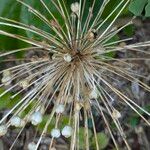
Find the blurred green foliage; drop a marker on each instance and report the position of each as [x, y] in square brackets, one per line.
[21, 13]
[6, 101]
[140, 7]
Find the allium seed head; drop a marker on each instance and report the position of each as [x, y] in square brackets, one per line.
[73, 73]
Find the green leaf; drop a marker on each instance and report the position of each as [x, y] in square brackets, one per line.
[102, 140]
[147, 9]
[63, 122]
[4, 100]
[134, 122]
[43, 123]
[82, 137]
[12, 12]
[137, 6]
[129, 30]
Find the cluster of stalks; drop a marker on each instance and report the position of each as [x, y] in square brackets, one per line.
[73, 74]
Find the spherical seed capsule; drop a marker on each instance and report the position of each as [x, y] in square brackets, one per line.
[6, 80]
[60, 108]
[6, 73]
[3, 130]
[24, 83]
[23, 123]
[116, 114]
[78, 106]
[55, 133]
[32, 146]
[93, 94]
[36, 118]
[15, 121]
[67, 57]
[75, 7]
[67, 131]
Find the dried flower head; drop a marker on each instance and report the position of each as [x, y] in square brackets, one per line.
[72, 73]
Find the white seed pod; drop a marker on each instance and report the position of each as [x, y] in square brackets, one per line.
[60, 108]
[15, 121]
[91, 35]
[75, 7]
[6, 80]
[78, 106]
[70, 99]
[116, 114]
[36, 118]
[6, 73]
[32, 146]
[93, 94]
[67, 57]
[55, 133]
[24, 83]
[67, 131]
[3, 130]
[135, 89]
[54, 56]
[23, 123]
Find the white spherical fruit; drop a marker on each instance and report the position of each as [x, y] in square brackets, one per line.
[36, 118]
[67, 131]
[93, 94]
[116, 114]
[24, 84]
[75, 7]
[6, 80]
[55, 133]
[3, 130]
[32, 146]
[23, 123]
[60, 108]
[6, 73]
[67, 57]
[15, 121]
